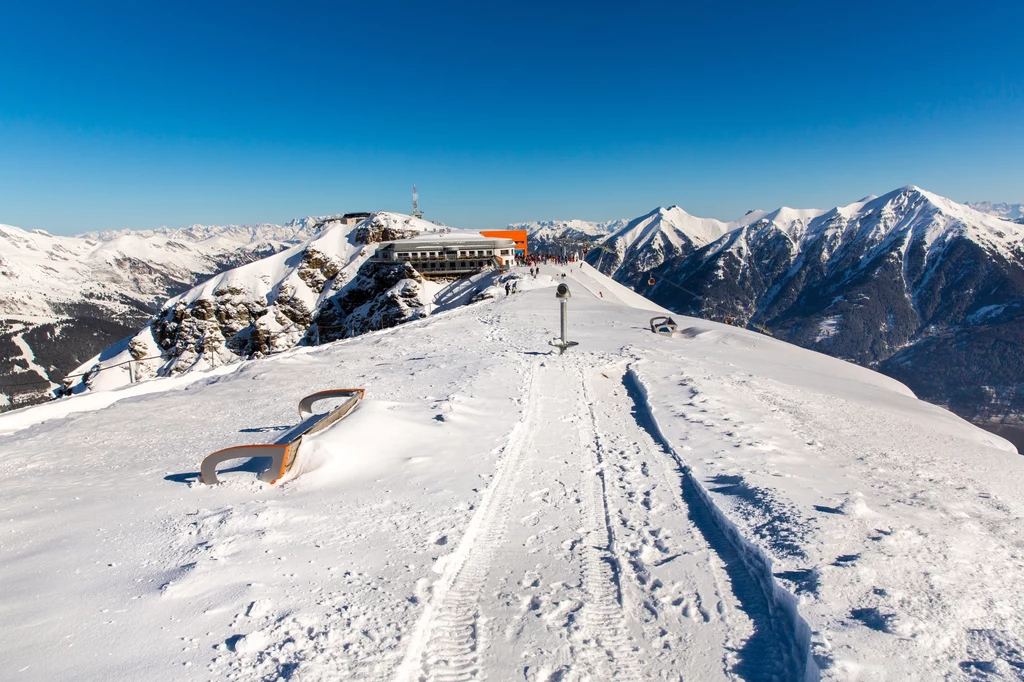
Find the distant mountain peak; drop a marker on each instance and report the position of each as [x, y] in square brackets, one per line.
[1012, 212]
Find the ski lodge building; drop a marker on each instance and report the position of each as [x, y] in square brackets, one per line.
[450, 255]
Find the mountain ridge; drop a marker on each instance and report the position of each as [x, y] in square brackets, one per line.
[880, 282]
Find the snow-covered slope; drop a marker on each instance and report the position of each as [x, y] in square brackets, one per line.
[714, 506]
[41, 272]
[271, 305]
[62, 299]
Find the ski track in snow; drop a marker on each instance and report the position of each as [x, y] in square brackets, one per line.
[649, 586]
[448, 636]
[456, 629]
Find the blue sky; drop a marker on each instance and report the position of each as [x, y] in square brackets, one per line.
[146, 114]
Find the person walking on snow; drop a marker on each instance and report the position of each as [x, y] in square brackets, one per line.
[508, 288]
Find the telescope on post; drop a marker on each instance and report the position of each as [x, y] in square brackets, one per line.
[562, 293]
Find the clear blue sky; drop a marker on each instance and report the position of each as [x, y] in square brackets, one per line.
[147, 114]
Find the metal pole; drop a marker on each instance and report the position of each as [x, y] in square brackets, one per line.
[565, 311]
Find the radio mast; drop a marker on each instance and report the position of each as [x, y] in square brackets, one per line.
[416, 212]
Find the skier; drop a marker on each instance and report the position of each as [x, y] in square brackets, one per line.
[508, 288]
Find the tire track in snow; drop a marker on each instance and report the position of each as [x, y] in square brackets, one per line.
[610, 652]
[674, 582]
[453, 633]
[779, 647]
[447, 641]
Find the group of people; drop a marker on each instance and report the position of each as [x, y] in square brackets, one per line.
[510, 287]
[534, 259]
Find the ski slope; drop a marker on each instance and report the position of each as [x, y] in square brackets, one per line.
[713, 506]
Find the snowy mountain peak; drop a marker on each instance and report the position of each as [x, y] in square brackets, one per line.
[650, 240]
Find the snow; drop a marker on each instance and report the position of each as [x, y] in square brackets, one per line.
[553, 229]
[675, 224]
[28, 356]
[1013, 212]
[294, 230]
[274, 281]
[40, 272]
[828, 327]
[986, 312]
[717, 505]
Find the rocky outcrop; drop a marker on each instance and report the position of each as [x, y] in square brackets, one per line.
[382, 295]
[236, 322]
[318, 270]
[271, 305]
[380, 229]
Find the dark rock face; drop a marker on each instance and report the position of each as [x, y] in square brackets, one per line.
[255, 311]
[977, 370]
[235, 323]
[58, 348]
[904, 286]
[382, 295]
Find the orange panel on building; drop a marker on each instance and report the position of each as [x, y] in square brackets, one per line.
[518, 236]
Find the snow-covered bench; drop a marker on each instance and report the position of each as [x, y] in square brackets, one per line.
[283, 453]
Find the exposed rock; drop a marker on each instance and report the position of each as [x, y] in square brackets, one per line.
[317, 269]
[379, 229]
[381, 295]
[137, 349]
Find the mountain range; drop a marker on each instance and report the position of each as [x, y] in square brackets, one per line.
[912, 284]
[565, 237]
[63, 299]
[1012, 212]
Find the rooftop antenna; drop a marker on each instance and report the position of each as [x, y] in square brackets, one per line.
[416, 212]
